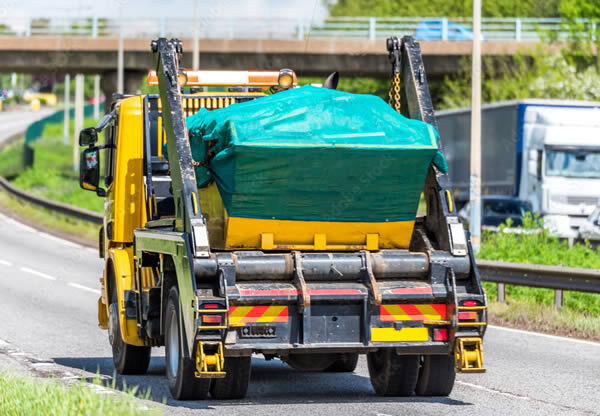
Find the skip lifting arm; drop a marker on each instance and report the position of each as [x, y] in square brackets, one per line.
[409, 95]
[187, 203]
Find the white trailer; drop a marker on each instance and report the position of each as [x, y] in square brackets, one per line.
[546, 152]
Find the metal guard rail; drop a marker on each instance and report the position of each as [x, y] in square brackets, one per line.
[358, 27]
[65, 209]
[534, 275]
[538, 275]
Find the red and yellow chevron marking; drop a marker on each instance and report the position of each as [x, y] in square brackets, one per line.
[412, 312]
[245, 314]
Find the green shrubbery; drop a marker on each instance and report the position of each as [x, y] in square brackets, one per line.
[536, 247]
[541, 248]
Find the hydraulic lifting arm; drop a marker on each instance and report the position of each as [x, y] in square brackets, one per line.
[409, 95]
[188, 215]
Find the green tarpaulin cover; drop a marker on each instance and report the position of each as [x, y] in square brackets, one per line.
[314, 154]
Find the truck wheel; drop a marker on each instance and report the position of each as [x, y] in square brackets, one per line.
[128, 359]
[346, 363]
[392, 374]
[235, 383]
[436, 377]
[183, 384]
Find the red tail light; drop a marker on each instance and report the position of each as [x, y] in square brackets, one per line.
[470, 303]
[211, 306]
[440, 334]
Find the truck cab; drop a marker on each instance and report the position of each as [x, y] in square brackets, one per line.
[561, 150]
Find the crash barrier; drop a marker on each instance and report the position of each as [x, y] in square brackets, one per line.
[558, 278]
[53, 206]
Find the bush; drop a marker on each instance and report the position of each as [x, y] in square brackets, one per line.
[541, 248]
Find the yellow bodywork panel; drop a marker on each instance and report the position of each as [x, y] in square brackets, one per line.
[122, 259]
[316, 235]
[251, 233]
[399, 335]
[128, 186]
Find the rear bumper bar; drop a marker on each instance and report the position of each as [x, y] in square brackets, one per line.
[404, 348]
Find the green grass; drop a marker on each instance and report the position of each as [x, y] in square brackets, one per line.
[52, 175]
[31, 397]
[536, 248]
[11, 159]
[541, 317]
[533, 306]
[82, 229]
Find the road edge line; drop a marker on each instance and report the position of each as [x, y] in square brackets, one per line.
[550, 336]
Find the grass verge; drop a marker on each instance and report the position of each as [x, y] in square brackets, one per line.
[532, 308]
[27, 396]
[81, 230]
[52, 175]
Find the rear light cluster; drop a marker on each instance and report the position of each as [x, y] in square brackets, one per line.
[468, 315]
[212, 319]
[210, 315]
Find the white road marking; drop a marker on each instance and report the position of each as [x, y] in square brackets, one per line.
[539, 334]
[36, 273]
[5, 263]
[81, 287]
[502, 393]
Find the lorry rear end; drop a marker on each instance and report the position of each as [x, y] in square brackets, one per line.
[216, 289]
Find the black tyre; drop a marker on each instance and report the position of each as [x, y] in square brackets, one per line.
[436, 376]
[128, 359]
[183, 384]
[346, 363]
[235, 383]
[392, 374]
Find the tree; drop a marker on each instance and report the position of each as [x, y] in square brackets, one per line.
[449, 8]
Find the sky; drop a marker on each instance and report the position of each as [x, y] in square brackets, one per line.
[218, 18]
[168, 8]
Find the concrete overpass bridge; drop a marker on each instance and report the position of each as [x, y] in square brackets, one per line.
[309, 57]
[351, 45]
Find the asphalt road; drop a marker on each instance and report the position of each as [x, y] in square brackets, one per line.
[14, 122]
[48, 307]
[48, 294]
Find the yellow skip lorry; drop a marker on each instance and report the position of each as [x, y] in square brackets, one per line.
[215, 289]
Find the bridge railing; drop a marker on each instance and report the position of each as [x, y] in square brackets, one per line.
[425, 28]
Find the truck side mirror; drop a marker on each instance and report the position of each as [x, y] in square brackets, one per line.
[88, 136]
[89, 170]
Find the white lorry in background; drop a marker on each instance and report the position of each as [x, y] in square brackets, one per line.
[545, 152]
